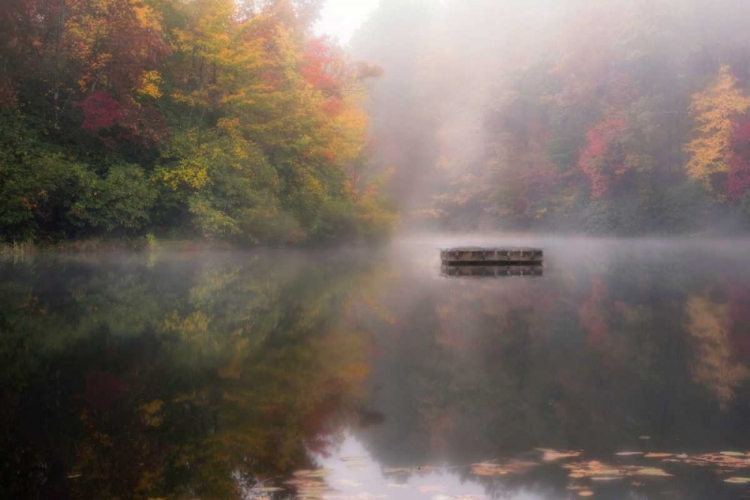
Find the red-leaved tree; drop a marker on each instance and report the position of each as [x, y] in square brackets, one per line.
[598, 143]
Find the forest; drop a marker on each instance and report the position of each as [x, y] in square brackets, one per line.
[235, 122]
[615, 117]
[190, 119]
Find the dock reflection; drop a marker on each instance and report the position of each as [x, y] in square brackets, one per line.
[493, 271]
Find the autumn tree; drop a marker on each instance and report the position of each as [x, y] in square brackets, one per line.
[209, 118]
[597, 154]
[714, 109]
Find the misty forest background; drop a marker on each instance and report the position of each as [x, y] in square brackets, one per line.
[231, 121]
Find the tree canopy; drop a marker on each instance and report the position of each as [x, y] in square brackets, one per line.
[615, 117]
[206, 118]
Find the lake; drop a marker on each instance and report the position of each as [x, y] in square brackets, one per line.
[620, 371]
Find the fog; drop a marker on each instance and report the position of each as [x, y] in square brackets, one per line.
[368, 363]
[202, 298]
[619, 117]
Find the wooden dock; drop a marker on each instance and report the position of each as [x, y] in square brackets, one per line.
[467, 256]
[502, 271]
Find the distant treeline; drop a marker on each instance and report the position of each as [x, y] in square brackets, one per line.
[181, 118]
[617, 116]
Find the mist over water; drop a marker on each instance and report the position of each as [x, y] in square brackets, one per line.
[360, 371]
[310, 356]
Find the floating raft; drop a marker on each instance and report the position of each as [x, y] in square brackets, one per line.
[463, 256]
[501, 271]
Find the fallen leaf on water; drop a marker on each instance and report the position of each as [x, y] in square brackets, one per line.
[552, 455]
[585, 493]
[650, 471]
[658, 455]
[349, 483]
[430, 488]
[628, 453]
[598, 471]
[306, 483]
[493, 469]
[396, 470]
[313, 473]
[330, 496]
[310, 483]
[591, 469]
[724, 460]
[487, 469]
[738, 480]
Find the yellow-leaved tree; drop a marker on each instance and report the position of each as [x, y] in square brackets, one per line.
[714, 109]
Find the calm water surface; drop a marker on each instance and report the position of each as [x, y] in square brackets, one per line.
[622, 372]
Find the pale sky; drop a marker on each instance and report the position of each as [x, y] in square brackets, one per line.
[341, 18]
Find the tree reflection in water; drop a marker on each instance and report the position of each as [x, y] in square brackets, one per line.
[221, 375]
